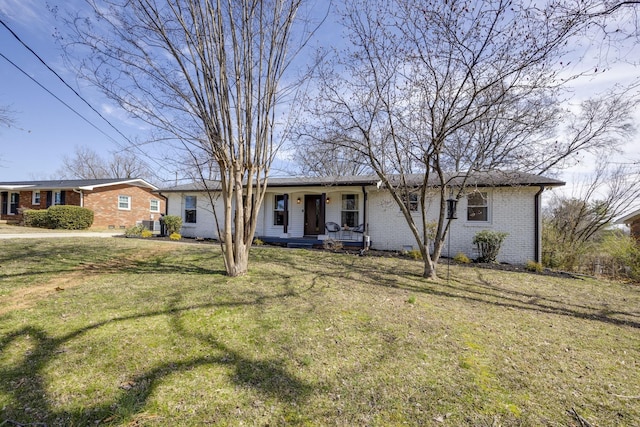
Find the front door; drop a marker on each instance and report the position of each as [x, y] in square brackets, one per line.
[313, 215]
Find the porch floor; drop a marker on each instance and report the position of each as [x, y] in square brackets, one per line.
[307, 242]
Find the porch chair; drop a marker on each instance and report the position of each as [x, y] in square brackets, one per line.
[332, 227]
[358, 229]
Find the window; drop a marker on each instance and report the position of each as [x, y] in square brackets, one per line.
[14, 203]
[412, 203]
[58, 198]
[124, 203]
[190, 205]
[279, 209]
[350, 213]
[154, 205]
[477, 207]
[35, 198]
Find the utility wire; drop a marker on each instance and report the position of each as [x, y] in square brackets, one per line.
[74, 91]
[56, 97]
[65, 83]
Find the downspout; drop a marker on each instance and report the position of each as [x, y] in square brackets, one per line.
[364, 216]
[81, 197]
[537, 225]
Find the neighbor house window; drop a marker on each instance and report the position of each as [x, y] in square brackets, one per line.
[190, 205]
[155, 205]
[35, 198]
[58, 198]
[350, 213]
[278, 209]
[477, 207]
[14, 203]
[124, 203]
[411, 203]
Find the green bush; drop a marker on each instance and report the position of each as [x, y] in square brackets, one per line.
[36, 218]
[135, 230]
[489, 243]
[533, 266]
[414, 254]
[69, 217]
[173, 223]
[461, 258]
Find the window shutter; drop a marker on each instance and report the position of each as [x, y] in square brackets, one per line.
[62, 193]
[49, 198]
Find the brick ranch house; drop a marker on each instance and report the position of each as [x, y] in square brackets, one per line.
[116, 203]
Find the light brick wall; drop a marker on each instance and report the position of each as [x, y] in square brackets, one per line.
[511, 210]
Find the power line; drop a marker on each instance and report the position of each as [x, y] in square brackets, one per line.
[56, 97]
[74, 91]
[65, 83]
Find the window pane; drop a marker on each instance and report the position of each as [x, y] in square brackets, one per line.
[124, 202]
[477, 207]
[190, 202]
[278, 210]
[155, 206]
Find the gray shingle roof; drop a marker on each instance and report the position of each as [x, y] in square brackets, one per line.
[68, 184]
[475, 179]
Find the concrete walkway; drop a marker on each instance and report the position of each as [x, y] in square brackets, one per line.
[58, 235]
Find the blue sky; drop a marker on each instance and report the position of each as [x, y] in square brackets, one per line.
[45, 130]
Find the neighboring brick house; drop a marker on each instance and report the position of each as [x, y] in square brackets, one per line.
[116, 203]
[633, 222]
[300, 208]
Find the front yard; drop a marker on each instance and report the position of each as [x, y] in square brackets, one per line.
[142, 332]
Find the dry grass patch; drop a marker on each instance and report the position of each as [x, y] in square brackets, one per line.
[162, 337]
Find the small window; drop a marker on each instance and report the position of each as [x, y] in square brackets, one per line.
[35, 198]
[477, 207]
[278, 209]
[14, 203]
[124, 203]
[412, 203]
[154, 205]
[350, 212]
[190, 208]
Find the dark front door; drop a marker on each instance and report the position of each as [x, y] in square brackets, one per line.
[313, 215]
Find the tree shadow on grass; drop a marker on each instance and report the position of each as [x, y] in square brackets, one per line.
[482, 291]
[25, 382]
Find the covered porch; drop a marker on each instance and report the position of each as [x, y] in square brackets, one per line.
[311, 242]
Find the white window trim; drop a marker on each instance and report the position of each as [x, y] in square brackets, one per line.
[489, 210]
[157, 210]
[128, 208]
[33, 198]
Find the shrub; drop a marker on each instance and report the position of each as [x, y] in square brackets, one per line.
[332, 244]
[461, 258]
[533, 266]
[489, 243]
[135, 231]
[173, 223]
[414, 254]
[36, 218]
[175, 236]
[146, 233]
[69, 217]
[258, 242]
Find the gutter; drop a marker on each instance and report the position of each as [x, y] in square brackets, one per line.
[537, 225]
[81, 196]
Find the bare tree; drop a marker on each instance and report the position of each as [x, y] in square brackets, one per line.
[6, 116]
[85, 163]
[325, 158]
[206, 74]
[573, 222]
[452, 86]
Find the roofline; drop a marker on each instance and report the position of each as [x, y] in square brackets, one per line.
[627, 218]
[142, 183]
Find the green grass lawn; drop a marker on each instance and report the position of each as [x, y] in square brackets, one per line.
[144, 333]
